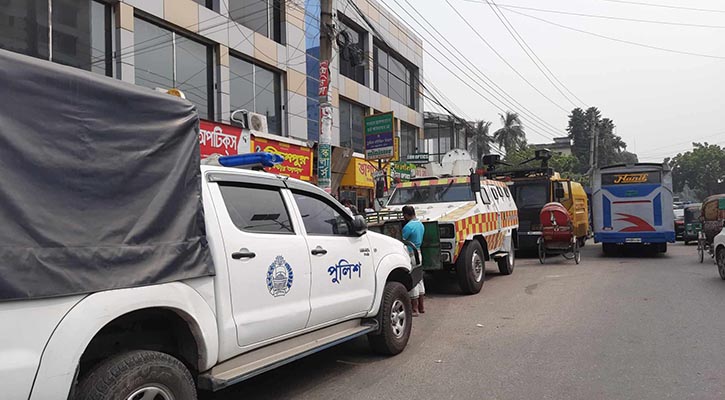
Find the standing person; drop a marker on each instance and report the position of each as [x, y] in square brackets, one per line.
[413, 232]
[348, 204]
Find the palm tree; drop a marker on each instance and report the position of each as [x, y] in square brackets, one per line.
[480, 141]
[511, 135]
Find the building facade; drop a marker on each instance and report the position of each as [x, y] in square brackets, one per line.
[561, 146]
[225, 55]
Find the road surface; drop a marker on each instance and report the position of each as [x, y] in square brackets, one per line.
[629, 327]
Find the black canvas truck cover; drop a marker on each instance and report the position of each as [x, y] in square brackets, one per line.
[100, 186]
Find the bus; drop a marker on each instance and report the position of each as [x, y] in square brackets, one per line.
[632, 206]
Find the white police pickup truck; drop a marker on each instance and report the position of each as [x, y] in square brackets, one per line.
[295, 274]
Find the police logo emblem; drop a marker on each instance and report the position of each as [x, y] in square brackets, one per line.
[279, 277]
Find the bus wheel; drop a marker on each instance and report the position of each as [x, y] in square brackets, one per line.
[609, 248]
[662, 247]
[471, 268]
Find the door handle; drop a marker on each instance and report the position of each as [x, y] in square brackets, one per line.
[318, 251]
[243, 253]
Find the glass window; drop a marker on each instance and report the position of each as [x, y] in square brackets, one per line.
[393, 78]
[81, 32]
[531, 195]
[187, 68]
[443, 193]
[256, 210]
[352, 52]
[352, 117]
[408, 139]
[261, 16]
[256, 89]
[205, 3]
[320, 218]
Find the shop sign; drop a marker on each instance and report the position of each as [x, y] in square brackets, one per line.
[379, 131]
[222, 139]
[324, 78]
[360, 173]
[297, 159]
[403, 171]
[417, 158]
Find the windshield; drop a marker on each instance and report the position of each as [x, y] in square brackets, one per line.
[432, 194]
[531, 195]
[692, 214]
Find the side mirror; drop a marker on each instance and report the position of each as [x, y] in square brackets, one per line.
[475, 182]
[359, 225]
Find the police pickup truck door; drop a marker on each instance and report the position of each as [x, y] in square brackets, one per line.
[343, 274]
[266, 255]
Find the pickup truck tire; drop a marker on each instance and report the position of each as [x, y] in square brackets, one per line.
[506, 263]
[138, 374]
[471, 268]
[395, 318]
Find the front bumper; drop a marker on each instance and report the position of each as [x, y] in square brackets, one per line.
[634, 237]
[528, 240]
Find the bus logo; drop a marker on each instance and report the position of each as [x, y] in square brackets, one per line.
[631, 178]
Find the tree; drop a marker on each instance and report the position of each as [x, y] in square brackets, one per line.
[702, 169]
[511, 136]
[480, 141]
[611, 149]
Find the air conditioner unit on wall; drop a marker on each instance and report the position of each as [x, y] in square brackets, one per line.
[257, 122]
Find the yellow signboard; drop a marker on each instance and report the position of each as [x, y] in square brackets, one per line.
[359, 173]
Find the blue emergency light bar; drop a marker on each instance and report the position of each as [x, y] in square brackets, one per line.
[250, 160]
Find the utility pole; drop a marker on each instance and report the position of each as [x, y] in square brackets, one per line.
[593, 146]
[324, 155]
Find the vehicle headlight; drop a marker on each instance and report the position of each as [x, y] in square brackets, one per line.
[447, 231]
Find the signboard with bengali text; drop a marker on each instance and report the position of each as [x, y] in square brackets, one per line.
[222, 139]
[297, 159]
[379, 133]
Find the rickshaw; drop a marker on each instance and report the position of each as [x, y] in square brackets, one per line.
[693, 225]
[557, 234]
[712, 215]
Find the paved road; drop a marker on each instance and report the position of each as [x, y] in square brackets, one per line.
[631, 327]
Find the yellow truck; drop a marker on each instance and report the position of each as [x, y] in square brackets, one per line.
[532, 187]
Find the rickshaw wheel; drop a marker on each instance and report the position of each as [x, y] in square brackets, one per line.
[577, 253]
[701, 251]
[542, 250]
[720, 258]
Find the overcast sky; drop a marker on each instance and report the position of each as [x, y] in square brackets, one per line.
[659, 101]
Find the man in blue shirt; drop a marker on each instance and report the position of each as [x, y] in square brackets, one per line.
[413, 231]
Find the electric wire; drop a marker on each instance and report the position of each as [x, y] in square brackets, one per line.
[616, 39]
[471, 66]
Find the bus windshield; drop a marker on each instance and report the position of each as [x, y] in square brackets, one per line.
[531, 195]
[432, 194]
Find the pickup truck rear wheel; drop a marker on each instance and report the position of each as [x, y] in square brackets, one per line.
[395, 318]
[471, 268]
[136, 375]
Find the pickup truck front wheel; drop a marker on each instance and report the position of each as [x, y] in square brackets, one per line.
[136, 375]
[395, 319]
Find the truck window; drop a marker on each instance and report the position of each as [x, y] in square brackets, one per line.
[531, 195]
[256, 210]
[443, 193]
[320, 218]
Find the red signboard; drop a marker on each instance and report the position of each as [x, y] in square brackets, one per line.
[324, 77]
[222, 139]
[297, 159]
